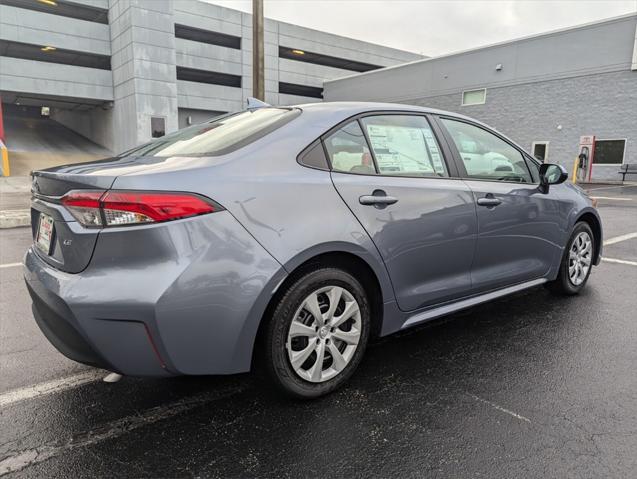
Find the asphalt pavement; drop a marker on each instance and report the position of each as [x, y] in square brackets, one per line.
[531, 385]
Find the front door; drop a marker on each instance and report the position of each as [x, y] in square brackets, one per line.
[391, 172]
[519, 232]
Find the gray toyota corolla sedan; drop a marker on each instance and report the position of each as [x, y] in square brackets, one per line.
[284, 238]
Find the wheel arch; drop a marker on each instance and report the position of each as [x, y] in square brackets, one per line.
[346, 260]
[593, 221]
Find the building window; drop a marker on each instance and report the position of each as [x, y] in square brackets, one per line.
[325, 60]
[207, 36]
[300, 90]
[157, 126]
[50, 54]
[62, 8]
[474, 97]
[609, 152]
[540, 150]
[204, 76]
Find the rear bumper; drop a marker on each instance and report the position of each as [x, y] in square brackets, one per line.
[57, 323]
[184, 297]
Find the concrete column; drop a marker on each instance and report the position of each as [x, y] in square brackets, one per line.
[143, 64]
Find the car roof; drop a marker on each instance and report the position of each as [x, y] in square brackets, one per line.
[336, 111]
[345, 109]
[356, 107]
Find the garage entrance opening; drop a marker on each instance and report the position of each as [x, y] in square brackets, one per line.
[43, 132]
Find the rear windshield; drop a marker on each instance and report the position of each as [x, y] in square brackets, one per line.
[220, 135]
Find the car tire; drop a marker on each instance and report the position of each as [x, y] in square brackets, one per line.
[570, 281]
[293, 330]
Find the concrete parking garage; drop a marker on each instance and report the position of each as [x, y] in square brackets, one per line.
[528, 386]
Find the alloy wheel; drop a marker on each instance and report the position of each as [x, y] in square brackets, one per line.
[580, 258]
[324, 334]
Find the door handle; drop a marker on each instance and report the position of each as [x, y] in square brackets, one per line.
[489, 201]
[378, 198]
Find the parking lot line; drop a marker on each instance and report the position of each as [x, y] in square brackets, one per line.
[619, 261]
[611, 198]
[609, 187]
[617, 239]
[10, 265]
[113, 429]
[49, 387]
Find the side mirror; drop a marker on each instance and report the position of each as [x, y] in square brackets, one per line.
[551, 174]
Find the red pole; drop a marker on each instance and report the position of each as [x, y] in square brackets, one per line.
[590, 160]
[1, 124]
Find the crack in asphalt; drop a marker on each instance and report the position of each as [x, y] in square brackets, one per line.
[499, 408]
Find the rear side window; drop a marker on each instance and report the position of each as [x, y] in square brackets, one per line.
[314, 157]
[404, 145]
[348, 150]
[485, 156]
[219, 136]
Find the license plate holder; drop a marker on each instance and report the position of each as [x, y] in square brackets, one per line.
[45, 233]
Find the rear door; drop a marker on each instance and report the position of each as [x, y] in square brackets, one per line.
[391, 171]
[519, 229]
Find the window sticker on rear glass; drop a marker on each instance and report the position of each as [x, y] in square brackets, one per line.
[434, 152]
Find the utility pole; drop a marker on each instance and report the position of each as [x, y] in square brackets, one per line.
[258, 64]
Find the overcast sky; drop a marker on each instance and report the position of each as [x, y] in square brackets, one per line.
[437, 27]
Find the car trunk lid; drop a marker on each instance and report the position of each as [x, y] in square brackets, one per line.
[69, 246]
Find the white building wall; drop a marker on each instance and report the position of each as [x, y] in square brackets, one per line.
[26, 26]
[553, 87]
[209, 97]
[213, 17]
[145, 53]
[27, 76]
[143, 63]
[208, 57]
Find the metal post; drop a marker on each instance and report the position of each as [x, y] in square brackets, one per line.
[1, 123]
[258, 65]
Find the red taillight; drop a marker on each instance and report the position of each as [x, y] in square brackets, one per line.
[84, 206]
[120, 208]
[132, 207]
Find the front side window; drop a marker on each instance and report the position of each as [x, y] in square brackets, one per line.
[534, 167]
[404, 145]
[348, 150]
[219, 136]
[486, 156]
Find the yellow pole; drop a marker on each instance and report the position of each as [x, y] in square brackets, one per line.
[5, 159]
[574, 178]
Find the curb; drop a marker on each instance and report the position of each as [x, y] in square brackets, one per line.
[14, 218]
